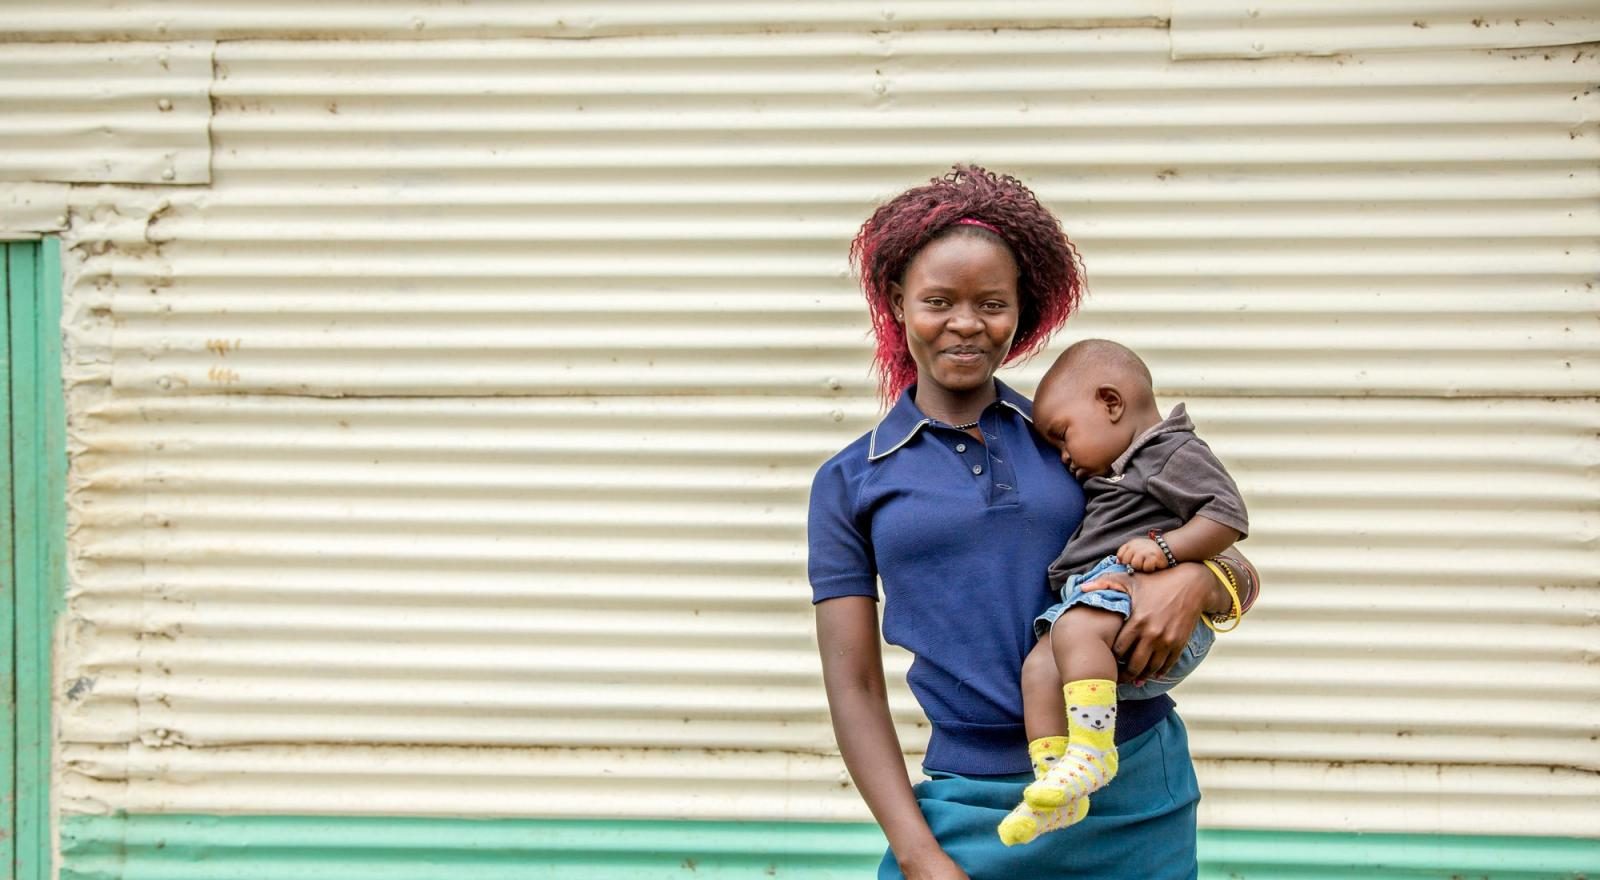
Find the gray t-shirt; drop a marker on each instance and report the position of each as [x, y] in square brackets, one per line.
[1165, 478]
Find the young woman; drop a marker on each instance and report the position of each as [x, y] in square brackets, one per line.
[958, 506]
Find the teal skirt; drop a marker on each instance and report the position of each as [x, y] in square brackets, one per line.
[1140, 827]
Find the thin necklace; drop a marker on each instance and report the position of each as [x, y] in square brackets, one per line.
[967, 426]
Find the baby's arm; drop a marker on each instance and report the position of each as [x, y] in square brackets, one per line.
[1199, 538]
[1193, 484]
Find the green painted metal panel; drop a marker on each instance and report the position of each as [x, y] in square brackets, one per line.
[37, 435]
[187, 847]
[1285, 855]
[8, 582]
[284, 847]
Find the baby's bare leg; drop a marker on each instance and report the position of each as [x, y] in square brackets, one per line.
[1044, 709]
[1044, 714]
[1081, 643]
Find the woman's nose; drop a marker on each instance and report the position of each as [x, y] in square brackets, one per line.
[965, 320]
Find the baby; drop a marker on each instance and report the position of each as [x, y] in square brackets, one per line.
[1155, 496]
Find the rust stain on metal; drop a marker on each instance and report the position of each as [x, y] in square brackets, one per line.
[80, 687]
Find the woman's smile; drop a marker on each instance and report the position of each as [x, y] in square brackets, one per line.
[965, 354]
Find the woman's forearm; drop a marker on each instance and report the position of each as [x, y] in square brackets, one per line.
[852, 672]
[1248, 582]
[1215, 598]
[1166, 607]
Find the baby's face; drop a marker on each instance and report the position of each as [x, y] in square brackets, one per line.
[1076, 422]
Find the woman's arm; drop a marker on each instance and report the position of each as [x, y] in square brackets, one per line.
[858, 701]
[1166, 607]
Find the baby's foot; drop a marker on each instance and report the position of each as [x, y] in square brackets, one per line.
[1080, 773]
[1024, 823]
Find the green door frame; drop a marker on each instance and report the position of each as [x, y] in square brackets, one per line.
[32, 544]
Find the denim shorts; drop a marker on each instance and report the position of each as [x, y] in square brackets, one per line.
[1199, 644]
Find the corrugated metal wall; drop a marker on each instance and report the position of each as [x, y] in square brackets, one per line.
[447, 452]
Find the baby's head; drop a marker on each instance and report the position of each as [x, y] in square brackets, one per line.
[1092, 403]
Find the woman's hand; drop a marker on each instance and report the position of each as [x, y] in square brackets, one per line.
[937, 866]
[852, 673]
[1166, 606]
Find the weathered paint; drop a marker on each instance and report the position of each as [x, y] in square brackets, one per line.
[1255, 29]
[355, 848]
[37, 537]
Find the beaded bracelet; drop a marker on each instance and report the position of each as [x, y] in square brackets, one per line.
[1225, 577]
[1244, 578]
[1155, 535]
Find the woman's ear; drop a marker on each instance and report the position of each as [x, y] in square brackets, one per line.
[1110, 398]
[897, 301]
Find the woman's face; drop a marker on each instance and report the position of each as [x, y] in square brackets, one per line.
[960, 308]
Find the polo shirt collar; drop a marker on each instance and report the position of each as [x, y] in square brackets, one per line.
[904, 420]
[1178, 420]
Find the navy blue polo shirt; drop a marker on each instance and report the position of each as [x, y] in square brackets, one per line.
[961, 534]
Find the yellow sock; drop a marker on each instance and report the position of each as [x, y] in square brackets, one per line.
[1091, 758]
[1024, 823]
[1044, 752]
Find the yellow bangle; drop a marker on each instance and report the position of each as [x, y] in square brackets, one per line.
[1224, 577]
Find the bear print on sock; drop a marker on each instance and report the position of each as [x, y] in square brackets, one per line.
[1094, 717]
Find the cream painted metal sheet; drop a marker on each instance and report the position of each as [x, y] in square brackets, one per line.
[27, 209]
[439, 577]
[300, 19]
[105, 112]
[387, 204]
[736, 785]
[479, 360]
[1255, 29]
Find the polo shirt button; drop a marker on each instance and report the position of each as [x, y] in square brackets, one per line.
[977, 469]
[961, 447]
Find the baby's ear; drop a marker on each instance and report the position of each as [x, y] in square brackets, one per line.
[1110, 398]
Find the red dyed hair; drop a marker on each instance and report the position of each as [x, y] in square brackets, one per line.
[1050, 273]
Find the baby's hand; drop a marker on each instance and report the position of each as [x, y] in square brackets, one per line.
[1142, 554]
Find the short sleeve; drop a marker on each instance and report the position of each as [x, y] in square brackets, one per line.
[1194, 483]
[839, 558]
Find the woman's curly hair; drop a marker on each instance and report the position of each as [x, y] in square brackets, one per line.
[1050, 280]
